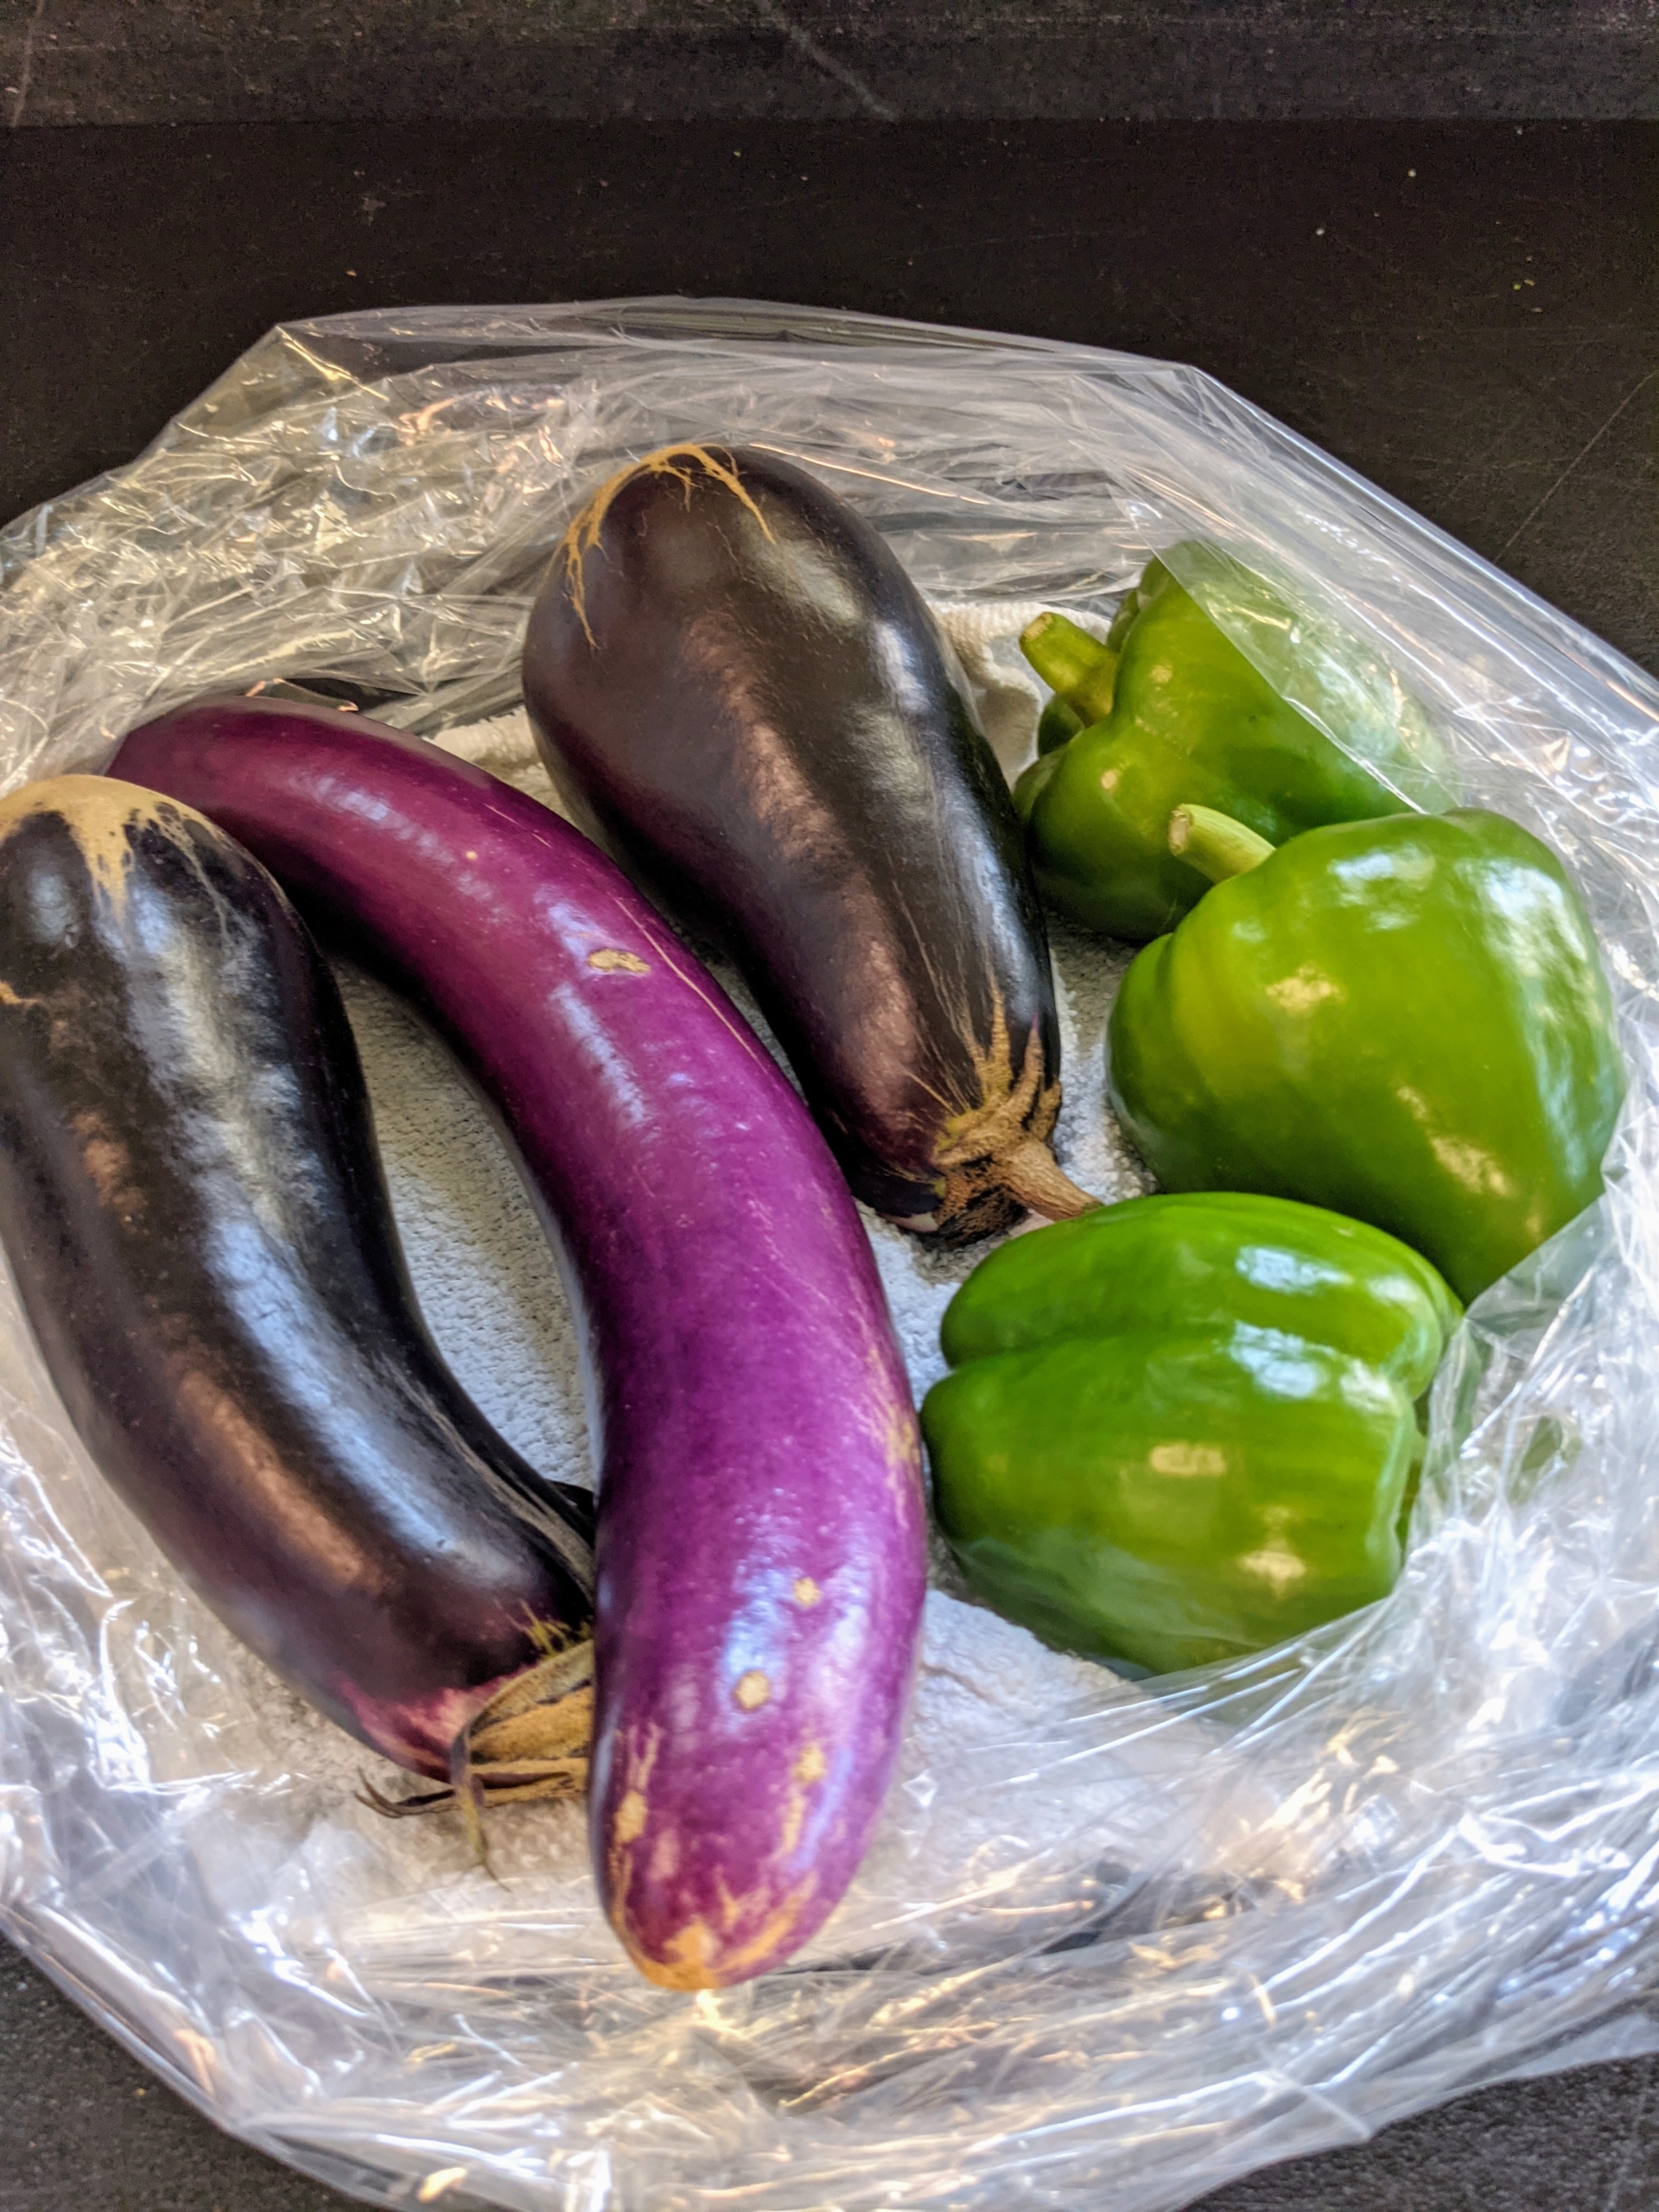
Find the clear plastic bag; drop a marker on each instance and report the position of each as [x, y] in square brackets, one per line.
[1108, 1943]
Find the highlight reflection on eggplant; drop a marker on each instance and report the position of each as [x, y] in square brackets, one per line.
[194, 1208]
[732, 676]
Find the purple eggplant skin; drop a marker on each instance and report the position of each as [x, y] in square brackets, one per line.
[193, 1204]
[761, 1548]
[743, 696]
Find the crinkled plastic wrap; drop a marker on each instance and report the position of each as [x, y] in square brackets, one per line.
[1112, 1945]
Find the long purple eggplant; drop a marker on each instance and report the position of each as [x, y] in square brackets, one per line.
[734, 680]
[762, 1549]
[193, 1206]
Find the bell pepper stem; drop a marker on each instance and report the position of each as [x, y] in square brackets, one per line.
[1074, 666]
[1214, 843]
[1058, 726]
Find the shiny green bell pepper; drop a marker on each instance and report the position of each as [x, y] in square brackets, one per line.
[1206, 1259]
[1183, 1427]
[1406, 1020]
[1176, 713]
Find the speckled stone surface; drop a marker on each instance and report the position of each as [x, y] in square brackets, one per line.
[1469, 312]
[216, 61]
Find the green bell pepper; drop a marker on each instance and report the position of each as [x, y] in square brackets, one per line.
[1406, 1020]
[1205, 1260]
[1056, 725]
[1175, 713]
[1184, 1429]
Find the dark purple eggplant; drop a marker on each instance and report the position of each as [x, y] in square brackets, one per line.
[193, 1204]
[736, 686]
[762, 1549]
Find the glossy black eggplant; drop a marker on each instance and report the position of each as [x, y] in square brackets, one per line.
[741, 693]
[194, 1208]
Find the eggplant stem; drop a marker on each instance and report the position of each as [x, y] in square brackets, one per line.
[583, 534]
[468, 1796]
[1031, 1173]
[530, 1741]
[1002, 1143]
[549, 1778]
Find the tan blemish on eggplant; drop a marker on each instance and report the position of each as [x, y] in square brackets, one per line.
[812, 1766]
[610, 961]
[98, 812]
[678, 461]
[108, 1166]
[693, 1959]
[630, 1822]
[687, 1965]
[8, 997]
[626, 1826]
[807, 1592]
[809, 1768]
[902, 1445]
[794, 1819]
[752, 1690]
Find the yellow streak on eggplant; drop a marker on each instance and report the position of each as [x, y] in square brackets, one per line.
[794, 1821]
[610, 960]
[630, 1822]
[98, 811]
[109, 1165]
[901, 1447]
[693, 1959]
[583, 534]
[807, 1592]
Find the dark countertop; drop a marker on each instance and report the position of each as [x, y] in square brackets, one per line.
[1466, 312]
[105, 61]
